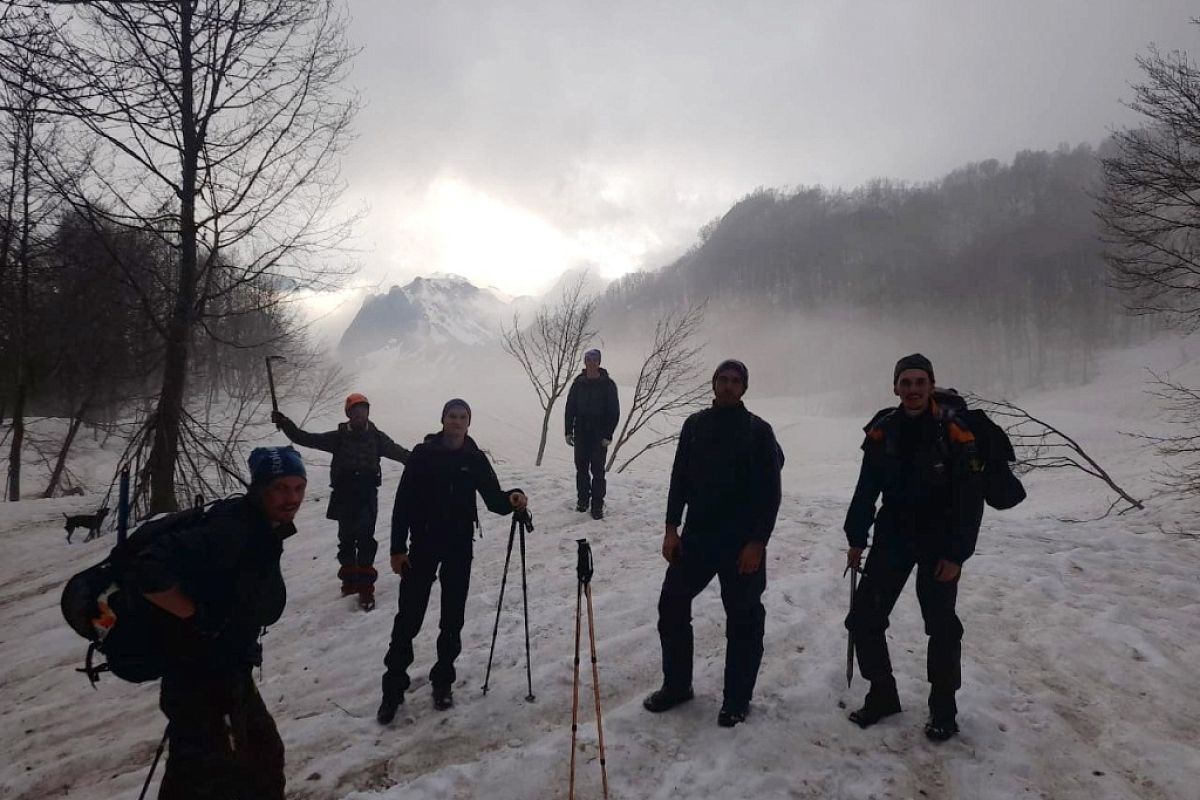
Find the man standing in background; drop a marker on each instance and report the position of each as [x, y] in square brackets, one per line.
[593, 411]
[354, 474]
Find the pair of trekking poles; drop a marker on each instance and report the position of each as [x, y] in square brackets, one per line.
[584, 569]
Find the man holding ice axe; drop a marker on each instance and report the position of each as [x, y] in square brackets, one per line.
[355, 475]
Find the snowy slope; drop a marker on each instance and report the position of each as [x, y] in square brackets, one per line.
[1080, 651]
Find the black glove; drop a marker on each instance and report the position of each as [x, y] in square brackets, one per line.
[203, 626]
[279, 419]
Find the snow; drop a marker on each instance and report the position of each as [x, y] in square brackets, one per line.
[1080, 651]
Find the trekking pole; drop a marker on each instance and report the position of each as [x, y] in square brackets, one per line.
[154, 764]
[575, 682]
[584, 569]
[587, 592]
[525, 522]
[850, 634]
[271, 380]
[123, 507]
[512, 533]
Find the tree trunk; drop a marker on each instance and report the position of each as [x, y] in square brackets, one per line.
[14, 453]
[61, 463]
[24, 362]
[545, 432]
[168, 417]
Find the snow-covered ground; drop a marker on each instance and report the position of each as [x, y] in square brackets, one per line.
[1081, 652]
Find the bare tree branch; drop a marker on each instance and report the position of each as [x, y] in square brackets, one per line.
[670, 381]
[550, 349]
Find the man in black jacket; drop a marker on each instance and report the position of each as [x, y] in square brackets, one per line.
[354, 474]
[727, 474]
[593, 411]
[926, 467]
[435, 502]
[219, 581]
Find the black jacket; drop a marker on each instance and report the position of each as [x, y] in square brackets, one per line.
[354, 471]
[356, 453]
[593, 407]
[926, 469]
[228, 564]
[727, 473]
[435, 500]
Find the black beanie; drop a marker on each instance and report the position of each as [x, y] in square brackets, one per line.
[915, 361]
[736, 366]
[457, 402]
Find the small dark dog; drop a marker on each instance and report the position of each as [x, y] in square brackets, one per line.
[90, 521]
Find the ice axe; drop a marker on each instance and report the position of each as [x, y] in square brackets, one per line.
[271, 381]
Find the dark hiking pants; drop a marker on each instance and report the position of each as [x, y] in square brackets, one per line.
[590, 486]
[454, 571]
[356, 538]
[883, 581]
[744, 620]
[222, 742]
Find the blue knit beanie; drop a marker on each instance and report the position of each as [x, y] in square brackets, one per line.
[269, 463]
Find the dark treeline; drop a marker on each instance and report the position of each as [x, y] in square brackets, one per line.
[1004, 259]
[85, 325]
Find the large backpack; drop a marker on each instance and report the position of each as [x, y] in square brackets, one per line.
[103, 605]
[1001, 488]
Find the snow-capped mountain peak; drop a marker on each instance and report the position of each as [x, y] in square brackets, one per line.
[442, 309]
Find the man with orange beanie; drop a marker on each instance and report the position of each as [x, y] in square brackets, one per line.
[355, 475]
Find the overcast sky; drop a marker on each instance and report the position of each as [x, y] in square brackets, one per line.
[508, 141]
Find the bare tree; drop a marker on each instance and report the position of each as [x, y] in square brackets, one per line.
[221, 122]
[1150, 207]
[551, 348]
[1042, 446]
[670, 381]
[1180, 451]
[28, 206]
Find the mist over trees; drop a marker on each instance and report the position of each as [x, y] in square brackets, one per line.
[200, 157]
[1002, 259]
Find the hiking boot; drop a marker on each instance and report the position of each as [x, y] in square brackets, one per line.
[349, 577]
[443, 697]
[387, 708]
[662, 700]
[366, 598]
[581, 506]
[348, 589]
[882, 701]
[940, 729]
[598, 512]
[732, 714]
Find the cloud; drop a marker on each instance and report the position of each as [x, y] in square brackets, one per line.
[607, 133]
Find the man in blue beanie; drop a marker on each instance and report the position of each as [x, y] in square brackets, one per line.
[217, 575]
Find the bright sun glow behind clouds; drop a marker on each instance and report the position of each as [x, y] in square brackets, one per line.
[459, 228]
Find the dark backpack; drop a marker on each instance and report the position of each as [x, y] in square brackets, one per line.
[1001, 488]
[103, 605]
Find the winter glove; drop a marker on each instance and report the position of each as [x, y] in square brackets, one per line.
[202, 624]
[606, 442]
[570, 440]
[279, 419]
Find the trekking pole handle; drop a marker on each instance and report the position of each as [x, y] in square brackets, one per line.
[584, 566]
[524, 519]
